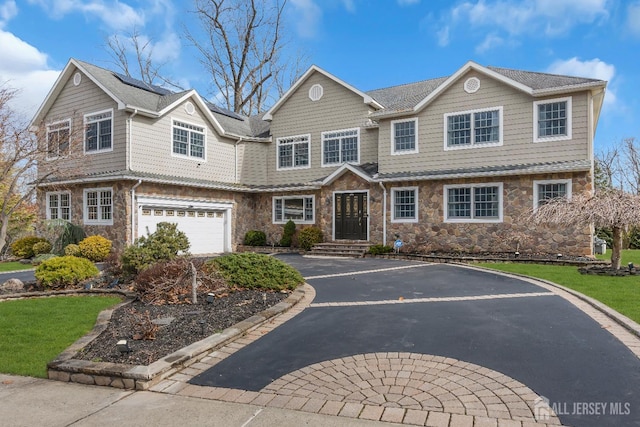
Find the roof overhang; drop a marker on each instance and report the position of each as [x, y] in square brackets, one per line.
[344, 169]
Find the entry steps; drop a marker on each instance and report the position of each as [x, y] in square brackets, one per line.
[345, 250]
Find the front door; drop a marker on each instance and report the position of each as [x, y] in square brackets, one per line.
[351, 216]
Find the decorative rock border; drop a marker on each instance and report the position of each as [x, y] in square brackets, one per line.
[446, 259]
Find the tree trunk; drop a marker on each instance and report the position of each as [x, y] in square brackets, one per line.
[4, 226]
[194, 284]
[616, 250]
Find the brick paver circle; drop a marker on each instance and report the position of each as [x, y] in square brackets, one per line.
[413, 381]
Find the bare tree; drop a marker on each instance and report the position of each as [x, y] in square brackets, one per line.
[609, 208]
[242, 51]
[629, 168]
[607, 167]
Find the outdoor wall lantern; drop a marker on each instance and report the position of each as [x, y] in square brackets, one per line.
[123, 347]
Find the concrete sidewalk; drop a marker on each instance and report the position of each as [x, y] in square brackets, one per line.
[26, 401]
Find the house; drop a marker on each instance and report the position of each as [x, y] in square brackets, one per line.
[450, 163]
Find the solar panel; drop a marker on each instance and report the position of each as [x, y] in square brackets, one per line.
[142, 85]
[223, 111]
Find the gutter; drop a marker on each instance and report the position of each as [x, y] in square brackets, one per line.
[384, 213]
[133, 210]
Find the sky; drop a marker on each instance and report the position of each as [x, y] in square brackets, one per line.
[369, 44]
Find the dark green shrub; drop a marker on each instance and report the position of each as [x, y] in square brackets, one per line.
[255, 271]
[23, 248]
[308, 237]
[72, 250]
[41, 248]
[162, 245]
[605, 234]
[380, 249]
[62, 233]
[61, 272]
[255, 238]
[287, 235]
[634, 238]
[95, 248]
[39, 259]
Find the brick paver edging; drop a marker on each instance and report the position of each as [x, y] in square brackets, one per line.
[140, 377]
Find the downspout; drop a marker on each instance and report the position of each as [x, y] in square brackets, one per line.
[133, 210]
[384, 213]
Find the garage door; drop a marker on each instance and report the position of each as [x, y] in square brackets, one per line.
[205, 228]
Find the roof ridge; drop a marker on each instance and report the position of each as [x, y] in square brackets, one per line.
[407, 84]
[542, 73]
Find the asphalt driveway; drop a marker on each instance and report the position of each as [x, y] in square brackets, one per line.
[507, 325]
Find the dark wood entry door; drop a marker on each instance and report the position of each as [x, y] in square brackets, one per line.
[351, 216]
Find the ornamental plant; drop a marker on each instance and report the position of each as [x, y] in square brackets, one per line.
[287, 235]
[65, 271]
[95, 248]
[255, 238]
[23, 248]
[249, 270]
[163, 245]
[308, 237]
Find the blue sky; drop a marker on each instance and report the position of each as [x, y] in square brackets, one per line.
[369, 44]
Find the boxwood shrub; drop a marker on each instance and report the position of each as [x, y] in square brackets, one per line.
[95, 248]
[23, 248]
[65, 271]
[255, 238]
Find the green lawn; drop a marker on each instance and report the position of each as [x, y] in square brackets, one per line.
[13, 265]
[34, 331]
[620, 293]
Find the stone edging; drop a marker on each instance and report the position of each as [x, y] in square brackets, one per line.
[140, 377]
[470, 259]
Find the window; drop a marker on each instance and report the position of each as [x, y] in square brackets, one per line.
[473, 203]
[552, 120]
[404, 136]
[58, 135]
[478, 128]
[404, 204]
[543, 191]
[98, 206]
[188, 140]
[298, 209]
[342, 146]
[293, 152]
[59, 205]
[98, 132]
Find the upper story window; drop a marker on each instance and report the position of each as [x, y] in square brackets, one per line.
[299, 209]
[293, 152]
[188, 140]
[98, 132]
[544, 191]
[341, 146]
[552, 119]
[404, 136]
[473, 203]
[58, 135]
[477, 128]
[98, 206]
[59, 205]
[404, 204]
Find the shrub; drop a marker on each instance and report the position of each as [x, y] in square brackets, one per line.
[39, 259]
[62, 233]
[72, 250]
[95, 248]
[255, 271]
[309, 237]
[255, 238]
[23, 248]
[39, 248]
[61, 272]
[287, 235]
[380, 249]
[162, 245]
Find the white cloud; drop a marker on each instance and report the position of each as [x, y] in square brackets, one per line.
[349, 5]
[443, 36]
[408, 2]
[593, 68]
[489, 42]
[114, 14]
[633, 18]
[308, 17]
[8, 10]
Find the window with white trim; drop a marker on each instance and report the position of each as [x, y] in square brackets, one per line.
[544, 191]
[341, 146]
[404, 204]
[59, 205]
[473, 203]
[58, 135]
[477, 128]
[188, 140]
[98, 206]
[299, 209]
[552, 120]
[404, 136]
[293, 152]
[98, 132]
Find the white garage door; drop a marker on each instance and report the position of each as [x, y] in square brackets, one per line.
[205, 228]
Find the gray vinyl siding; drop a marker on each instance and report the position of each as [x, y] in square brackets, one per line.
[518, 146]
[252, 159]
[152, 148]
[74, 102]
[339, 108]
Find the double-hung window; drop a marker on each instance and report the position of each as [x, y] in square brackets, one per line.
[473, 203]
[58, 135]
[98, 132]
[341, 146]
[188, 140]
[98, 206]
[59, 205]
[552, 120]
[404, 204]
[299, 209]
[293, 152]
[404, 136]
[544, 191]
[477, 128]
